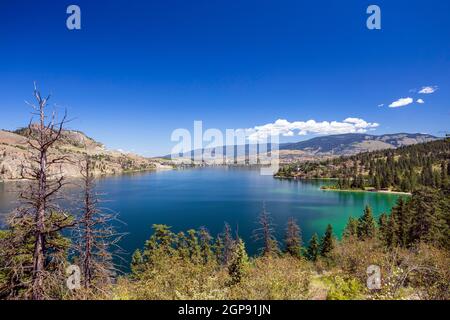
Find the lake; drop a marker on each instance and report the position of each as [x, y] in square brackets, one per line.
[208, 197]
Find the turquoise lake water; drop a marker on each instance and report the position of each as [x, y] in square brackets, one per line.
[208, 197]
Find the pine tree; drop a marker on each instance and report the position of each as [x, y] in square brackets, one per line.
[194, 246]
[351, 229]
[428, 219]
[218, 249]
[366, 225]
[293, 242]
[313, 248]
[161, 243]
[182, 246]
[205, 245]
[427, 174]
[377, 184]
[239, 262]
[137, 262]
[399, 223]
[384, 229]
[405, 184]
[327, 243]
[393, 239]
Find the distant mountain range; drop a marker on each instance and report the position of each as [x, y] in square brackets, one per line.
[330, 146]
[352, 143]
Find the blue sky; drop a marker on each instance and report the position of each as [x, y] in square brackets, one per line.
[137, 70]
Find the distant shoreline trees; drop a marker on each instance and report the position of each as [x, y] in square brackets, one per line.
[403, 169]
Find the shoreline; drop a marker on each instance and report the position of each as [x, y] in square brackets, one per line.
[369, 191]
[305, 179]
[97, 176]
[343, 190]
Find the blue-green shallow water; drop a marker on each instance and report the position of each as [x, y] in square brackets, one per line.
[208, 197]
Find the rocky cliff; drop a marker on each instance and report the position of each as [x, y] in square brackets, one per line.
[14, 154]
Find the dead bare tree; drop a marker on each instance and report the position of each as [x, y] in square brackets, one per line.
[98, 240]
[266, 233]
[228, 243]
[39, 219]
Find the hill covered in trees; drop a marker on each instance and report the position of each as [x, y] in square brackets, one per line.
[402, 169]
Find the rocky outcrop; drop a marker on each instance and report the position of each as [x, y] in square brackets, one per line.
[15, 154]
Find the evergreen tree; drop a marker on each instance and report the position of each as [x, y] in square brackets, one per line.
[313, 248]
[239, 262]
[377, 184]
[428, 217]
[137, 262]
[218, 249]
[327, 243]
[405, 184]
[427, 174]
[399, 223]
[392, 235]
[366, 225]
[351, 229]
[205, 245]
[182, 246]
[384, 228]
[160, 244]
[194, 246]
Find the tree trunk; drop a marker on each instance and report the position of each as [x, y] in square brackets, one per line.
[39, 248]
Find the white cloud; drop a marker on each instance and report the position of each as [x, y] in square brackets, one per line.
[401, 102]
[285, 128]
[381, 105]
[420, 101]
[428, 89]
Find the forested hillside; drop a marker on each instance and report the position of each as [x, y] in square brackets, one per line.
[403, 169]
